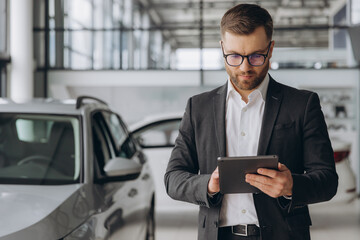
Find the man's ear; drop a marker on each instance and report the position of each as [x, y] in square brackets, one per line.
[271, 48]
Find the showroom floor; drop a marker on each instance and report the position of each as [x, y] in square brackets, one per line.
[331, 221]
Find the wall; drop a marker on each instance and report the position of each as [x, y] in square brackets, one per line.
[159, 91]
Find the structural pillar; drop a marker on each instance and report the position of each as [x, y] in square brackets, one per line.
[21, 50]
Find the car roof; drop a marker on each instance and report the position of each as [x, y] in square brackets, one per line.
[50, 106]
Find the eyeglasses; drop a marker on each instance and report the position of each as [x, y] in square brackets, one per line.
[255, 59]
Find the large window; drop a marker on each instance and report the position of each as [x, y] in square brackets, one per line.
[183, 35]
[98, 34]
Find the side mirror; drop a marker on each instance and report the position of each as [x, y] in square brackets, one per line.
[121, 169]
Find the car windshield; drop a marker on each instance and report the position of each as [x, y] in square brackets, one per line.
[39, 149]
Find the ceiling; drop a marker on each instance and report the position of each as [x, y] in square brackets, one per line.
[297, 23]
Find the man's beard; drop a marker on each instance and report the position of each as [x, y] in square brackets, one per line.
[250, 84]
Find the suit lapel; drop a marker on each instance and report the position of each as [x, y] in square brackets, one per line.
[219, 104]
[272, 106]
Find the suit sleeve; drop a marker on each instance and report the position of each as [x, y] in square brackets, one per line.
[319, 182]
[182, 179]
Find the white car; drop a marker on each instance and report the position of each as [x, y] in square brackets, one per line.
[157, 134]
[71, 170]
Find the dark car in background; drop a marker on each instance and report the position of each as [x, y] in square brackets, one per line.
[71, 170]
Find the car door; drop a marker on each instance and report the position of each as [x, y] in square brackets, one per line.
[157, 138]
[119, 216]
[131, 199]
[144, 188]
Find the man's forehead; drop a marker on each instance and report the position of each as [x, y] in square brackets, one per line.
[259, 32]
[244, 44]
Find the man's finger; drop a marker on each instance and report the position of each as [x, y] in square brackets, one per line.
[215, 173]
[254, 178]
[267, 189]
[282, 167]
[267, 172]
[264, 188]
[266, 185]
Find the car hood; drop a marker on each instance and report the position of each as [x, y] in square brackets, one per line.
[22, 206]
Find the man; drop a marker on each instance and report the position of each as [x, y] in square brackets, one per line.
[252, 114]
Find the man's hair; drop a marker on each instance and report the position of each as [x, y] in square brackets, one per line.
[243, 19]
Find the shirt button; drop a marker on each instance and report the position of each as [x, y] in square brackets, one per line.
[243, 211]
[243, 134]
[244, 109]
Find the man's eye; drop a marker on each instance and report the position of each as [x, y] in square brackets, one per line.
[235, 56]
[255, 56]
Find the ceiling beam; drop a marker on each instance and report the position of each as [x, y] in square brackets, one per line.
[157, 19]
[228, 4]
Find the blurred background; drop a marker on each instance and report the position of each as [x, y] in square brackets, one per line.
[147, 57]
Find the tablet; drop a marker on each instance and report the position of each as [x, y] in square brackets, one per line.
[232, 171]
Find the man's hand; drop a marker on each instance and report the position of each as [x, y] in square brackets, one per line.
[272, 182]
[213, 185]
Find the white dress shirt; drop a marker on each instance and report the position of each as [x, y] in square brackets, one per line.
[243, 125]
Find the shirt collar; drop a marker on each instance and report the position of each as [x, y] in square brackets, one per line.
[262, 88]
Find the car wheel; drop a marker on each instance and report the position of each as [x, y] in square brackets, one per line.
[150, 223]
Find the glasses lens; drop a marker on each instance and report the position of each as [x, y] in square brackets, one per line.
[256, 59]
[234, 59]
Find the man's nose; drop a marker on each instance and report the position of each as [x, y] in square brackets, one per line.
[245, 66]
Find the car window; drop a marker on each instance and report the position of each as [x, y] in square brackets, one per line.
[110, 139]
[128, 148]
[102, 149]
[160, 134]
[39, 149]
[117, 131]
[124, 144]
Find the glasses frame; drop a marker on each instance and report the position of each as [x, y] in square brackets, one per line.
[245, 56]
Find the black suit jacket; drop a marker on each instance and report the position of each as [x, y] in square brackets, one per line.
[293, 128]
